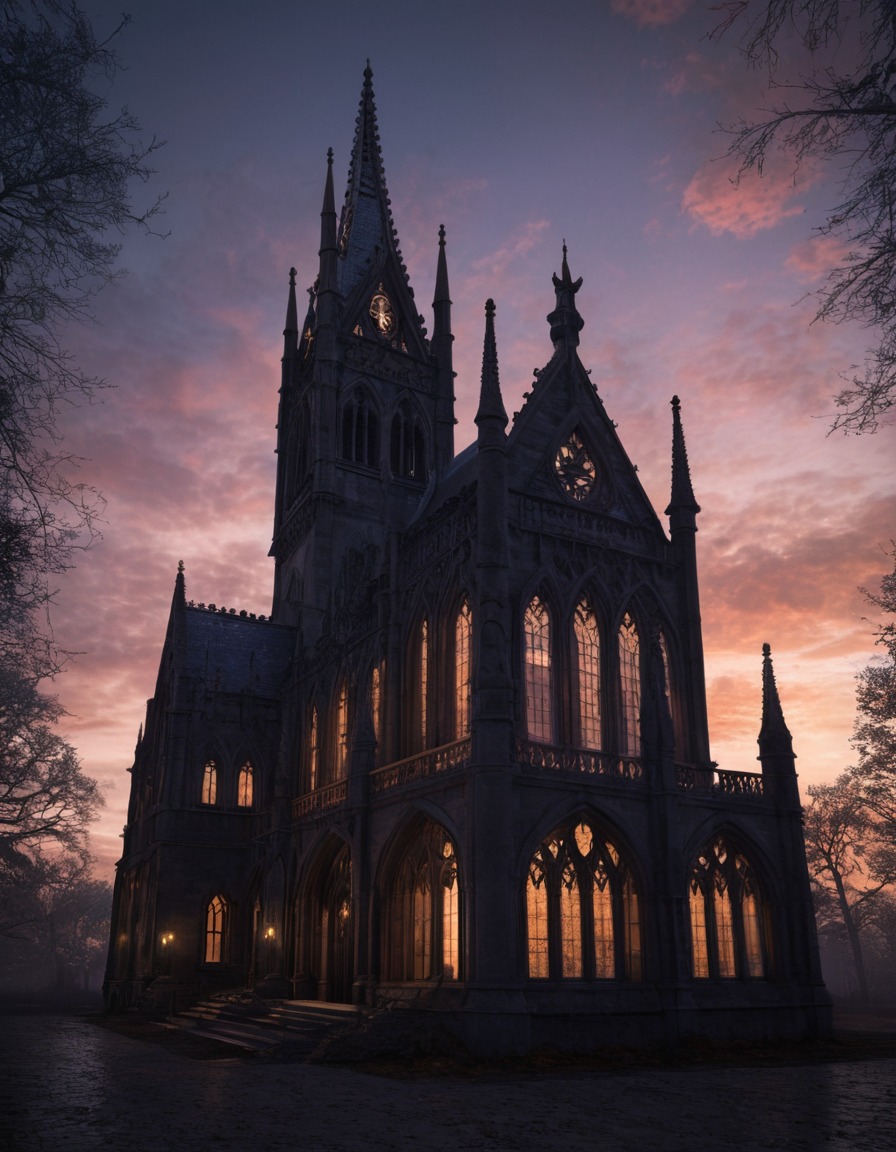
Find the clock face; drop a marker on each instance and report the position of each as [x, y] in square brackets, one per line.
[575, 469]
[381, 313]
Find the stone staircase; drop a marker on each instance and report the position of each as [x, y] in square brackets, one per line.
[290, 1029]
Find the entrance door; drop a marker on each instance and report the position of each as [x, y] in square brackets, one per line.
[336, 937]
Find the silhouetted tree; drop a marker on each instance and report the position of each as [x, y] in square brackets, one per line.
[875, 731]
[851, 863]
[850, 116]
[66, 172]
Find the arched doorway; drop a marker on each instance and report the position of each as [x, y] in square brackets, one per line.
[335, 937]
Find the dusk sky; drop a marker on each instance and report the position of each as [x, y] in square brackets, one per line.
[517, 125]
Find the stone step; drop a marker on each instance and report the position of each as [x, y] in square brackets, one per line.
[257, 1026]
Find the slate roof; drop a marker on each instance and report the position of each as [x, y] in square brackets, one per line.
[237, 654]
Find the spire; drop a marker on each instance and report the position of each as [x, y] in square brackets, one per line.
[565, 321]
[441, 293]
[366, 228]
[327, 275]
[291, 330]
[491, 406]
[773, 726]
[442, 351]
[683, 508]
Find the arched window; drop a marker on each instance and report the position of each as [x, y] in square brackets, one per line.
[423, 922]
[728, 931]
[539, 708]
[360, 430]
[215, 915]
[630, 687]
[463, 636]
[210, 783]
[423, 700]
[376, 700]
[588, 651]
[314, 750]
[244, 789]
[582, 915]
[406, 449]
[340, 766]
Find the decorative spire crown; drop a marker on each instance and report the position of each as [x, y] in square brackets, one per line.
[682, 489]
[773, 724]
[565, 321]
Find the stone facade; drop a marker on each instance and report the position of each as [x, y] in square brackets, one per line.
[464, 766]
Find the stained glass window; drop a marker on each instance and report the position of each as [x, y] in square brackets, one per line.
[245, 786]
[462, 640]
[538, 672]
[630, 686]
[728, 938]
[210, 783]
[341, 764]
[314, 750]
[588, 649]
[214, 930]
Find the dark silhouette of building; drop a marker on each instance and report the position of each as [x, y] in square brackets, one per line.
[465, 763]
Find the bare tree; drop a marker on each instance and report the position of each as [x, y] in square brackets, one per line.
[848, 117]
[65, 189]
[850, 861]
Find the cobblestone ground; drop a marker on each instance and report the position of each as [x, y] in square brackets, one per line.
[66, 1084]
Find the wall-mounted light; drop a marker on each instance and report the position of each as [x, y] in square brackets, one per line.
[269, 933]
[167, 938]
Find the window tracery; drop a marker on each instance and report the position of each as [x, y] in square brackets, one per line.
[214, 930]
[376, 700]
[463, 634]
[360, 430]
[340, 765]
[630, 686]
[582, 905]
[539, 704]
[406, 449]
[314, 750]
[424, 920]
[728, 935]
[588, 652]
[210, 783]
[245, 786]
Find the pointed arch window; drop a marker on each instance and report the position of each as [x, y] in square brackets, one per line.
[423, 665]
[729, 939]
[423, 924]
[215, 916]
[630, 686]
[245, 786]
[539, 703]
[376, 700]
[314, 749]
[360, 430]
[340, 766]
[210, 783]
[582, 918]
[463, 637]
[588, 653]
[406, 449]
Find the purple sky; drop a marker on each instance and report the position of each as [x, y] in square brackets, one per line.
[516, 125]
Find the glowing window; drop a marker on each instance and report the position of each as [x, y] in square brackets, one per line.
[424, 680]
[588, 648]
[728, 938]
[210, 783]
[376, 701]
[538, 672]
[582, 909]
[462, 639]
[245, 786]
[422, 936]
[630, 686]
[214, 930]
[341, 762]
[314, 750]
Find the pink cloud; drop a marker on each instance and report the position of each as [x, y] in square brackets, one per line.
[814, 258]
[651, 13]
[748, 204]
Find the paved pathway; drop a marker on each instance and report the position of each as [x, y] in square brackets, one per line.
[66, 1084]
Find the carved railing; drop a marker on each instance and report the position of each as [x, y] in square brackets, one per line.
[718, 782]
[321, 800]
[421, 767]
[579, 760]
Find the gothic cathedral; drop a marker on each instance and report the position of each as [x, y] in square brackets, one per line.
[464, 765]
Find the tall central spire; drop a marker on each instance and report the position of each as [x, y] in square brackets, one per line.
[366, 228]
